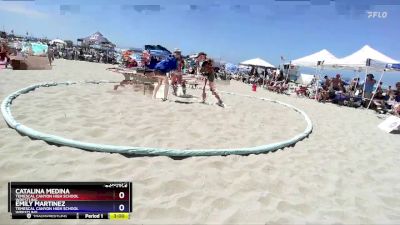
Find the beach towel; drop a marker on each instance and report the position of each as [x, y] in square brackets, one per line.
[167, 65]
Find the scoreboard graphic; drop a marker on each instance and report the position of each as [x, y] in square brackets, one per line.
[70, 200]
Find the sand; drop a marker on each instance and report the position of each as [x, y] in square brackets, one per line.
[345, 172]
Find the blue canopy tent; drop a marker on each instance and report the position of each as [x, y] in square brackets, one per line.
[157, 51]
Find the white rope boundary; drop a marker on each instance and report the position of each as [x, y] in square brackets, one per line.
[143, 151]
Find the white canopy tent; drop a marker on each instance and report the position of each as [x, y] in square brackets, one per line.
[257, 62]
[305, 79]
[313, 59]
[358, 59]
[57, 41]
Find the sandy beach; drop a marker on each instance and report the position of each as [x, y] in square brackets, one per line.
[346, 171]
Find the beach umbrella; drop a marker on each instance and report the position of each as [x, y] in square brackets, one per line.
[232, 68]
[258, 62]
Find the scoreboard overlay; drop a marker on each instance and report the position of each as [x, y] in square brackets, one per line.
[70, 200]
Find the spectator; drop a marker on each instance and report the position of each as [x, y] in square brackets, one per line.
[4, 53]
[326, 83]
[50, 54]
[369, 86]
[337, 83]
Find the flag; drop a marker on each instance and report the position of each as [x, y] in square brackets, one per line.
[283, 59]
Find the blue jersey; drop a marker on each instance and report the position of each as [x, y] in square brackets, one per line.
[167, 65]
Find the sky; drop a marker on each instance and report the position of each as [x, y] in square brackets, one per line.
[228, 29]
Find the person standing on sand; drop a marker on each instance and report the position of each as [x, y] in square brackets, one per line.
[168, 65]
[4, 55]
[369, 86]
[50, 54]
[207, 70]
[201, 57]
[177, 78]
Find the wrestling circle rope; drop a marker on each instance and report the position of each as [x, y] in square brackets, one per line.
[143, 151]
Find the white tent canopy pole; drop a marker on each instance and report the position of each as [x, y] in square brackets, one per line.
[365, 80]
[317, 77]
[288, 70]
[357, 59]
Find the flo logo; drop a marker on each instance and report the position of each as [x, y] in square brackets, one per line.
[377, 14]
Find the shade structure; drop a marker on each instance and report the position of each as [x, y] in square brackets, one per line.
[257, 62]
[57, 41]
[157, 51]
[358, 59]
[387, 67]
[96, 39]
[313, 59]
[305, 79]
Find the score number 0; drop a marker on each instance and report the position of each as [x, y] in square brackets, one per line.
[121, 195]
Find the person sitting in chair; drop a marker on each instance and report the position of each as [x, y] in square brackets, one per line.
[337, 83]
